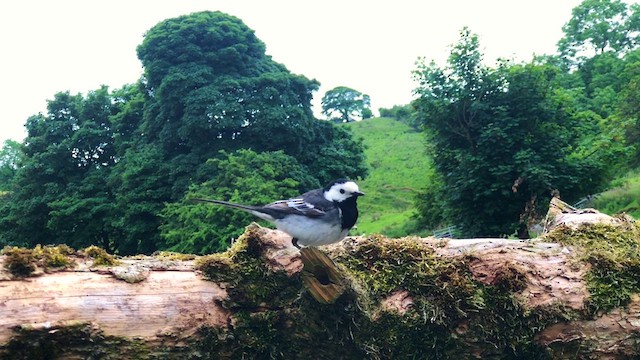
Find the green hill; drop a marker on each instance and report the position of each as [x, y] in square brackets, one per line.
[622, 196]
[398, 166]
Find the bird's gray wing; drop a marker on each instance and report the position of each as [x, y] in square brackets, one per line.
[296, 206]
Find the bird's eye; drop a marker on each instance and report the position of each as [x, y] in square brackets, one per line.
[341, 191]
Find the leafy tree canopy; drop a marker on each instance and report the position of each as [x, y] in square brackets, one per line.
[501, 139]
[243, 176]
[61, 181]
[345, 104]
[99, 169]
[222, 92]
[10, 158]
[402, 113]
[629, 104]
[212, 87]
[598, 26]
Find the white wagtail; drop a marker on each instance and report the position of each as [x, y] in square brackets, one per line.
[318, 217]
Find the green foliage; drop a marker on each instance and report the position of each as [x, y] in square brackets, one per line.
[214, 39]
[347, 103]
[431, 208]
[398, 169]
[141, 181]
[470, 111]
[598, 26]
[333, 153]
[623, 195]
[128, 105]
[241, 177]
[10, 159]
[402, 113]
[222, 92]
[213, 87]
[59, 189]
[629, 104]
[98, 169]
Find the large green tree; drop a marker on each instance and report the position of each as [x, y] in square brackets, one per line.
[599, 26]
[99, 169]
[243, 176]
[212, 87]
[345, 104]
[10, 158]
[59, 194]
[629, 104]
[599, 45]
[501, 139]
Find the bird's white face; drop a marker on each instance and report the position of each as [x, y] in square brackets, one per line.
[342, 191]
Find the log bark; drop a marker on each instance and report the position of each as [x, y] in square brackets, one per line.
[367, 297]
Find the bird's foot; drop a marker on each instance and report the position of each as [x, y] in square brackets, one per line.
[294, 241]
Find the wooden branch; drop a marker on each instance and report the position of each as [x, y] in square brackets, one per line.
[171, 300]
[367, 297]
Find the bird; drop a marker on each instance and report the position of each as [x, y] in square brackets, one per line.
[318, 217]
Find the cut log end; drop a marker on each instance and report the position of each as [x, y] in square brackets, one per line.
[320, 276]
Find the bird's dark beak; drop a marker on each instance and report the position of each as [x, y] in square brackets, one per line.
[358, 193]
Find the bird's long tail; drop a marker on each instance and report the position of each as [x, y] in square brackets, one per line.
[225, 203]
[250, 209]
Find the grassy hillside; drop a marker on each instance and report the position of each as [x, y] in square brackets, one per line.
[624, 196]
[398, 168]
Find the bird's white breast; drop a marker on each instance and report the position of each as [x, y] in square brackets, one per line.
[311, 231]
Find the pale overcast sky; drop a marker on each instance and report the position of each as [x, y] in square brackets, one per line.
[371, 46]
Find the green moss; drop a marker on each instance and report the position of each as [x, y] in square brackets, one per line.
[384, 265]
[274, 317]
[100, 256]
[510, 278]
[54, 256]
[24, 262]
[510, 327]
[614, 255]
[71, 340]
[249, 281]
[170, 255]
[452, 313]
[19, 261]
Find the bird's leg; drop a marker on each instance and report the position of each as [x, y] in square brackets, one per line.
[294, 241]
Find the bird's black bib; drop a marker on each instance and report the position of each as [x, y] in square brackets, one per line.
[349, 212]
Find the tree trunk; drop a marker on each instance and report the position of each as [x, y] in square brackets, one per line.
[572, 293]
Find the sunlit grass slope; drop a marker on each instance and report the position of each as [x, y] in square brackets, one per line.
[624, 196]
[398, 168]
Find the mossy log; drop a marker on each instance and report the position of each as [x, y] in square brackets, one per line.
[572, 293]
